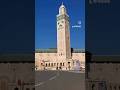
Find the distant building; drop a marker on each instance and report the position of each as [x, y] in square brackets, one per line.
[17, 72]
[62, 58]
[103, 72]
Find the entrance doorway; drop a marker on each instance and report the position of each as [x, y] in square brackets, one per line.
[69, 65]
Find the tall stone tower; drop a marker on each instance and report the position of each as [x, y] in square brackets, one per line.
[63, 34]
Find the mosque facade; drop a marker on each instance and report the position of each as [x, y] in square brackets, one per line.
[62, 58]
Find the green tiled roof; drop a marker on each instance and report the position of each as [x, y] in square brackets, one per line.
[78, 51]
[51, 50]
[54, 50]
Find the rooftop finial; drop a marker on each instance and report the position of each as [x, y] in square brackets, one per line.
[62, 3]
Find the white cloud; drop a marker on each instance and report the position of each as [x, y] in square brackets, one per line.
[76, 26]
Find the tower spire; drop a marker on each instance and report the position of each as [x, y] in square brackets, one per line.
[62, 9]
[62, 3]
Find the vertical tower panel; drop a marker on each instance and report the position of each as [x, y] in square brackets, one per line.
[63, 34]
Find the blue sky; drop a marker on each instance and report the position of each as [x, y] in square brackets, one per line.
[45, 22]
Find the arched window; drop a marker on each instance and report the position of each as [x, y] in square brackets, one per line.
[68, 63]
[49, 65]
[60, 64]
[46, 64]
[62, 21]
[63, 64]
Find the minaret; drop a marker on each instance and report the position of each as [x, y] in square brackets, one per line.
[63, 34]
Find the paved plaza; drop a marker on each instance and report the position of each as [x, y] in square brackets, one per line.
[59, 80]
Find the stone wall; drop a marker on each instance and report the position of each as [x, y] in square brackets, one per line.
[16, 75]
[103, 76]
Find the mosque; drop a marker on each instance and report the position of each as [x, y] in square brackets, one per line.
[64, 57]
